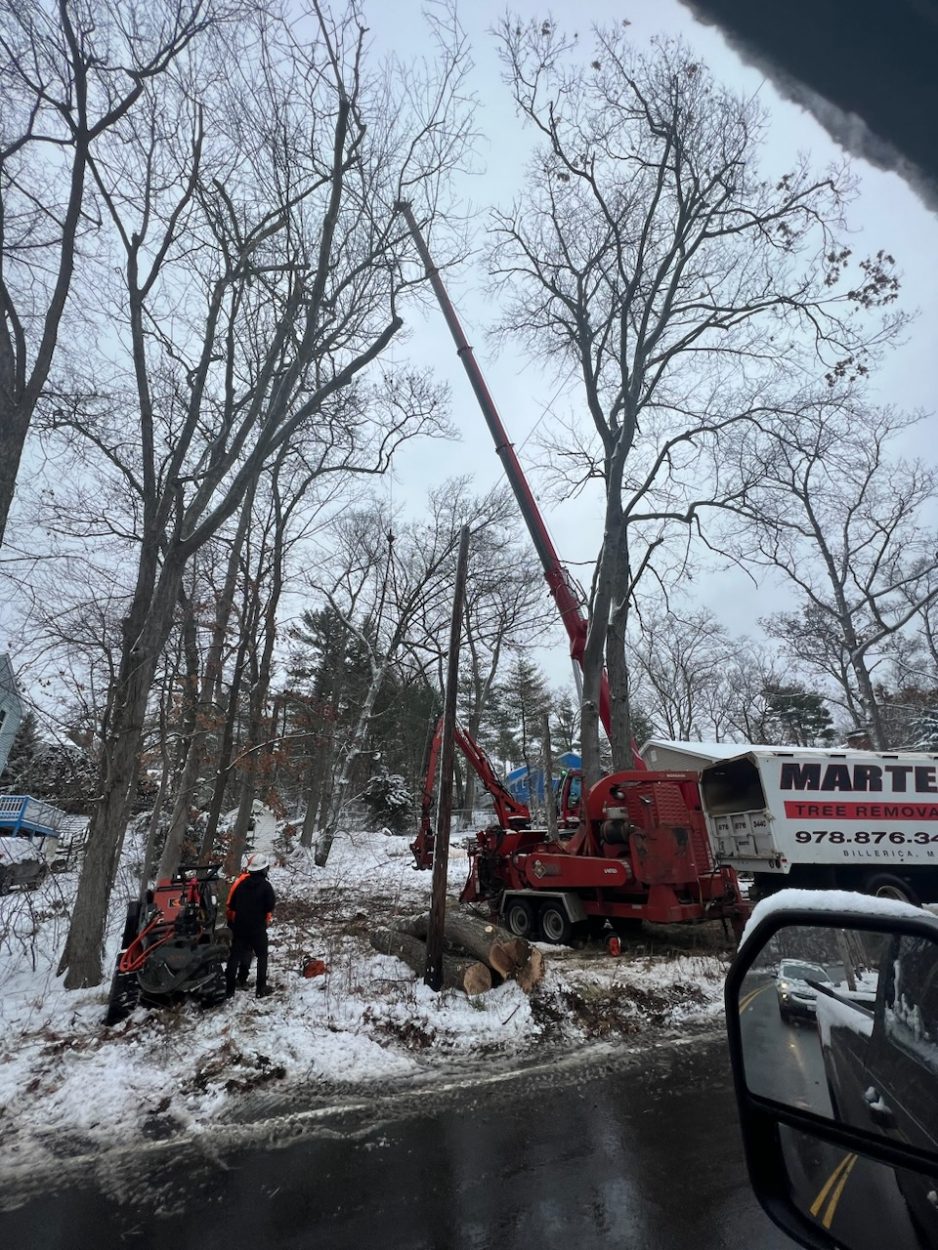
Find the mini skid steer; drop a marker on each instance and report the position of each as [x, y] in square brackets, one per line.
[170, 946]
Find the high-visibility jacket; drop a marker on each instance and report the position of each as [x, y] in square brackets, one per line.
[229, 907]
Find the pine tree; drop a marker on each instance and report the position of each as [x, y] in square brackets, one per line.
[797, 716]
[15, 778]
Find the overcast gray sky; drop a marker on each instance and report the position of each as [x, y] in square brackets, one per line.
[886, 214]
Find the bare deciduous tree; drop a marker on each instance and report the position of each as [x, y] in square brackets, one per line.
[505, 606]
[393, 589]
[260, 278]
[275, 530]
[651, 260]
[846, 524]
[678, 661]
[72, 73]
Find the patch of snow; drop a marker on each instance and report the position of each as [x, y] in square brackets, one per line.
[15, 850]
[827, 901]
[832, 1012]
[65, 1077]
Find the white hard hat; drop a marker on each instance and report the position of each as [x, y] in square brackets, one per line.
[257, 862]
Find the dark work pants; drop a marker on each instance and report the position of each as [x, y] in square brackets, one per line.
[243, 946]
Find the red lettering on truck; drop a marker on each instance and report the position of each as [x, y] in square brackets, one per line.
[860, 811]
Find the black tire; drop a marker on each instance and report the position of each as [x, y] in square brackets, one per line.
[784, 1015]
[555, 924]
[886, 885]
[519, 918]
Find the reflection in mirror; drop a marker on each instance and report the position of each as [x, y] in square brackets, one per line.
[810, 987]
[844, 1023]
[863, 1204]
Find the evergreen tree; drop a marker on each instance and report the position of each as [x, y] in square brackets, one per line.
[14, 778]
[798, 717]
[390, 800]
[58, 772]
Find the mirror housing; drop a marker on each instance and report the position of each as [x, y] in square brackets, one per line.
[775, 1131]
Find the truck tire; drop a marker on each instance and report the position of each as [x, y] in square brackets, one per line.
[519, 917]
[885, 885]
[555, 923]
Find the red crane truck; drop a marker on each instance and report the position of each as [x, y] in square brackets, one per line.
[640, 850]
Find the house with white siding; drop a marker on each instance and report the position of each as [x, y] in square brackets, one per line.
[11, 709]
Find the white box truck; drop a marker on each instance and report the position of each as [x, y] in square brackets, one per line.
[815, 818]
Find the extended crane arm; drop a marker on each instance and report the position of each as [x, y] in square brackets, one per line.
[562, 586]
[510, 813]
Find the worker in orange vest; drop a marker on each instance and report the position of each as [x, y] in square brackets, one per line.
[251, 901]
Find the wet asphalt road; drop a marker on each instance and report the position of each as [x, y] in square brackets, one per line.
[629, 1149]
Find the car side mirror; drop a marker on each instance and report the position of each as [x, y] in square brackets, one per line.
[832, 1023]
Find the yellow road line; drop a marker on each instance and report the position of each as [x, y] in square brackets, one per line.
[836, 1182]
[746, 1002]
[835, 1197]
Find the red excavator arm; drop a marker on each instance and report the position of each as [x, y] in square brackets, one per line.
[510, 813]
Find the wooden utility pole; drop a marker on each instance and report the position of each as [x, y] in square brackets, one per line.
[434, 971]
[547, 764]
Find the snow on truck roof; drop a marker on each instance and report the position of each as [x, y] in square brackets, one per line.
[714, 752]
[729, 750]
[702, 750]
[827, 901]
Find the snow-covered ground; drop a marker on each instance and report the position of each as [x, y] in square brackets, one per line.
[69, 1084]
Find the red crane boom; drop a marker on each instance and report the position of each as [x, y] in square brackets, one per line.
[566, 593]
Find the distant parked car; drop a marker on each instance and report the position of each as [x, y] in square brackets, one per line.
[796, 998]
[21, 863]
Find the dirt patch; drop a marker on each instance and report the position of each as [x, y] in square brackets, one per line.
[241, 1072]
[408, 1033]
[622, 1010]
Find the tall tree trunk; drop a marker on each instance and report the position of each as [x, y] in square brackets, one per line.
[259, 729]
[327, 837]
[145, 632]
[239, 833]
[601, 607]
[207, 702]
[226, 745]
[188, 721]
[14, 426]
[617, 668]
[877, 729]
[313, 793]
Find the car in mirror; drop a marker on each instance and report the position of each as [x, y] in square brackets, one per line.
[832, 1019]
[796, 988]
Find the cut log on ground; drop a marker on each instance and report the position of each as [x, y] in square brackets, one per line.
[531, 971]
[458, 974]
[511, 957]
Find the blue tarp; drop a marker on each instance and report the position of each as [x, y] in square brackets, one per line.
[517, 780]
